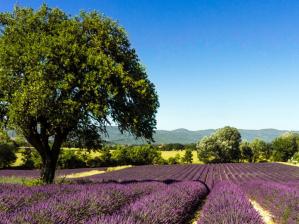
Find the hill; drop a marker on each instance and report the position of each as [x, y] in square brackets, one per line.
[185, 136]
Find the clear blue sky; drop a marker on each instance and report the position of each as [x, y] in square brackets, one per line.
[214, 62]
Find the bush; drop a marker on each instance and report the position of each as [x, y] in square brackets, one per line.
[172, 146]
[174, 160]
[7, 155]
[31, 159]
[188, 156]
[94, 162]
[69, 160]
[246, 152]
[136, 155]
[295, 158]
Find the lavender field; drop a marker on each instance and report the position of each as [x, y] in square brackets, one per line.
[218, 193]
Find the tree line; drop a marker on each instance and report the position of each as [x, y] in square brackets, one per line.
[225, 145]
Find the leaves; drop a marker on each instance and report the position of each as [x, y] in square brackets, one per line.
[61, 70]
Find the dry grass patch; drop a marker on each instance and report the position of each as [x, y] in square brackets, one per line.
[290, 164]
[266, 215]
[83, 174]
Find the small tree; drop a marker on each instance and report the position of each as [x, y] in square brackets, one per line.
[59, 74]
[188, 156]
[220, 147]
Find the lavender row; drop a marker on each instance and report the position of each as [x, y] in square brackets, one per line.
[68, 203]
[211, 174]
[228, 204]
[174, 204]
[281, 199]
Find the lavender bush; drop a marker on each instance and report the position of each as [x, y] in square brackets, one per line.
[173, 204]
[227, 204]
[74, 203]
[210, 174]
[281, 199]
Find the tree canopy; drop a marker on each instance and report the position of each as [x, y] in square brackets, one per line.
[222, 146]
[284, 147]
[60, 73]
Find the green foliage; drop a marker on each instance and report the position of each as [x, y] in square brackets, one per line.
[174, 160]
[261, 150]
[136, 155]
[7, 155]
[246, 152]
[69, 160]
[20, 141]
[220, 147]
[172, 146]
[105, 159]
[4, 138]
[188, 156]
[295, 158]
[60, 74]
[31, 159]
[191, 146]
[284, 147]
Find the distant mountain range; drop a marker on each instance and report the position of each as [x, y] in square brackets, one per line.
[182, 135]
[185, 136]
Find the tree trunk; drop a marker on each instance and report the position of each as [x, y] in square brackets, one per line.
[48, 154]
[48, 169]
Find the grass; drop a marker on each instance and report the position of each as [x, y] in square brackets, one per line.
[290, 164]
[94, 172]
[60, 179]
[168, 154]
[83, 174]
[109, 169]
[20, 180]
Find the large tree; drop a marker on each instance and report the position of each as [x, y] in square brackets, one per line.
[60, 73]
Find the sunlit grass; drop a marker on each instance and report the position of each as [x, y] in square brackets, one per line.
[83, 174]
[290, 164]
[20, 180]
[109, 169]
[168, 154]
[60, 179]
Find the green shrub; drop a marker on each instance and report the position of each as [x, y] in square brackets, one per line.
[295, 158]
[174, 160]
[31, 159]
[7, 155]
[188, 156]
[69, 160]
[135, 155]
[95, 162]
[246, 152]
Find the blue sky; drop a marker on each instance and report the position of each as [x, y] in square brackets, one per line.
[214, 62]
